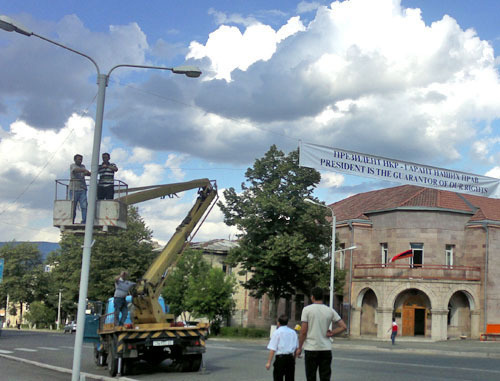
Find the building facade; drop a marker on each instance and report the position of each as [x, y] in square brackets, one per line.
[450, 285]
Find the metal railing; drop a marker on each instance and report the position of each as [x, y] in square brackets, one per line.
[63, 188]
[427, 272]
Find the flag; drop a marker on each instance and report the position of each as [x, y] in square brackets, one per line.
[404, 254]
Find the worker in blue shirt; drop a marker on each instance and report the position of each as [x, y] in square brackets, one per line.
[284, 342]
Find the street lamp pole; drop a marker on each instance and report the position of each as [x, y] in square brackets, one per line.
[332, 257]
[59, 311]
[9, 25]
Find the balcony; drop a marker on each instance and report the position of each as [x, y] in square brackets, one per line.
[424, 272]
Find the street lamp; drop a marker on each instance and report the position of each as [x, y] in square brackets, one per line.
[9, 25]
[332, 258]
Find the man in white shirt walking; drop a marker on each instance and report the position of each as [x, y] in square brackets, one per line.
[284, 343]
[314, 336]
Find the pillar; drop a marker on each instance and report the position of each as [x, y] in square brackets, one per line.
[384, 322]
[355, 321]
[439, 326]
[475, 317]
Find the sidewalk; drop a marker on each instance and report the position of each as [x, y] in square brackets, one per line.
[467, 348]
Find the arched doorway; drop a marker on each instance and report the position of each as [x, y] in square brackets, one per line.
[459, 321]
[369, 306]
[412, 307]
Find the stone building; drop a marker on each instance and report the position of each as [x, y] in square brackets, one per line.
[448, 288]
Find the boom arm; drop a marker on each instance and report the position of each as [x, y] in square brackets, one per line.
[147, 290]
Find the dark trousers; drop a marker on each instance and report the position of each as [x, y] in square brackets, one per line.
[321, 360]
[105, 193]
[284, 367]
[120, 306]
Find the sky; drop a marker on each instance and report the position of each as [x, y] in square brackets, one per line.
[413, 80]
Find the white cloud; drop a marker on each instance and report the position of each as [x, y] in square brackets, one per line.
[307, 6]
[331, 180]
[174, 163]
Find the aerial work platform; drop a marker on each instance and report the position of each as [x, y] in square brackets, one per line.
[110, 214]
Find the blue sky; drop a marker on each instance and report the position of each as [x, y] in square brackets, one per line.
[414, 80]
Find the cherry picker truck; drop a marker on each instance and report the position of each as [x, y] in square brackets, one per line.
[153, 335]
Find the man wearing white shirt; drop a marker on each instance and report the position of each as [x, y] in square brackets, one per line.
[284, 343]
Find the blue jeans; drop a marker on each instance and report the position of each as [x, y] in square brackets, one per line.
[393, 336]
[79, 197]
[120, 306]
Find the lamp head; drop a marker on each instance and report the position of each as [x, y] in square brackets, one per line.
[189, 71]
[9, 25]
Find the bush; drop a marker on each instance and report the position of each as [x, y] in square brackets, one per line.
[243, 332]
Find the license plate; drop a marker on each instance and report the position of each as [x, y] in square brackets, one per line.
[161, 343]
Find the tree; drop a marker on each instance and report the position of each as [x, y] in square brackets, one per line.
[22, 273]
[130, 249]
[41, 315]
[212, 296]
[190, 267]
[284, 240]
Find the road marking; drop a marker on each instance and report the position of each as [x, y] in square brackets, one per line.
[68, 347]
[5, 352]
[49, 348]
[233, 348]
[417, 365]
[64, 370]
[26, 349]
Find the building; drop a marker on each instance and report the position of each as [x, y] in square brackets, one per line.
[215, 253]
[448, 288]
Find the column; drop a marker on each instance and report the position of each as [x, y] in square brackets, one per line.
[475, 331]
[355, 321]
[384, 322]
[439, 326]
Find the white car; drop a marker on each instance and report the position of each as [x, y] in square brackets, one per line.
[70, 327]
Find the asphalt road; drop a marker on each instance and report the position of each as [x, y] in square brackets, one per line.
[238, 360]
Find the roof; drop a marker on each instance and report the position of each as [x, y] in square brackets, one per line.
[215, 245]
[359, 206]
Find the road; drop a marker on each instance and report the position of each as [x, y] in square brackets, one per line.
[230, 360]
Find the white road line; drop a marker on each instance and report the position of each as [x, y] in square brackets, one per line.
[417, 365]
[5, 352]
[67, 371]
[68, 347]
[26, 349]
[49, 348]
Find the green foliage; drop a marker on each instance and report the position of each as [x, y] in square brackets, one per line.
[284, 239]
[129, 249]
[339, 281]
[190, 267]
[211, 295]
[41, 315]
[23, 273]
[243, 332]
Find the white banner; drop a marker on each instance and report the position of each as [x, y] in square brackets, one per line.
[360, 164]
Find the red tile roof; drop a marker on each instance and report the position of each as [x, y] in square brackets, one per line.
[358, 206]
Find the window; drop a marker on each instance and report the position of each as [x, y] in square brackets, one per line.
[449, 254]
[259, 308]
[418, 254]
[226, 269]
[341, 256]
[384, 251]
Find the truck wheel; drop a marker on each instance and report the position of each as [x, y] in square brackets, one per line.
[112, 360]
[190, 363]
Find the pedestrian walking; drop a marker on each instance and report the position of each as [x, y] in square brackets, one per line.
[394, 329]
[315, 335]
[283, 343]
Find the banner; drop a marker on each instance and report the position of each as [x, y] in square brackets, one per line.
[360, 164]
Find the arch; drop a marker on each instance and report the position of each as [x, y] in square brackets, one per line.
[391, 298]
[361, 295]
[368, 313]
[459, 321]
[467, 292]
[412, 308]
